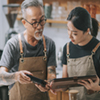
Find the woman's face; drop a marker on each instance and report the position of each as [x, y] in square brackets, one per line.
[77, 36]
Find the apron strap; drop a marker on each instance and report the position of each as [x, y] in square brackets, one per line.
[45, 50]
[95, 49]
[20, 43]
[21, 49]
[44, 43]
[67, 50]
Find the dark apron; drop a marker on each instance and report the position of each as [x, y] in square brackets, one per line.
[37, 66]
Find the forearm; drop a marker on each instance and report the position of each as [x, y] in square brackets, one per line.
[7, 78]
[51, 73]
[64, 74]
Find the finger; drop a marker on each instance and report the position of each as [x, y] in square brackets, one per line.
[27, 72]
[25, 77]
[22, 81]
[38, 86]
[87, 83]
[53, 91]
[87, 87]
[51, 84]
[91, 82]
[80, 83]
[48, 83]
[47, 87]
[97, 80]
[41, 88]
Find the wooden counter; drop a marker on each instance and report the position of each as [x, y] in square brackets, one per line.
[59, 96]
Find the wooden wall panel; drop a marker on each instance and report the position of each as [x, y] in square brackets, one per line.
[65, 96]
[55, 97]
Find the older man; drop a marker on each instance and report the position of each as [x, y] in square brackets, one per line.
[29, 53]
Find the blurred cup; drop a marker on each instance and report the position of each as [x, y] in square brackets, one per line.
[48, 9]
[73, 95]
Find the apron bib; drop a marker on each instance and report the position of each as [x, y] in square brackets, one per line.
[82, 66]
[37, 66]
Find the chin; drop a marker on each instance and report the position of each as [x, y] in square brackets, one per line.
[75, 43]
[38, 38]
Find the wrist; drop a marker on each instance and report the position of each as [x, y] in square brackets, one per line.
[98, 90]
[16, 76]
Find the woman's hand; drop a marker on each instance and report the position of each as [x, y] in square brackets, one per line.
[91, 85]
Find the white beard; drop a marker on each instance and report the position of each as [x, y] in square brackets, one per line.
[39, 37]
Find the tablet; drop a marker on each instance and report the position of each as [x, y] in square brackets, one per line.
[65, 83]
[37, 80]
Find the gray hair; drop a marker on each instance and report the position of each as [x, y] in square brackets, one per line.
[30, 3]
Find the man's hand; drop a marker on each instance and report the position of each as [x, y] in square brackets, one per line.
[46, 88]
[7, 78]
[91, 85]
[21, 77]
[43, 89]
[52, 91]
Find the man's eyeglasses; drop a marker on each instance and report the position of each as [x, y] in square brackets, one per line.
[35, 24]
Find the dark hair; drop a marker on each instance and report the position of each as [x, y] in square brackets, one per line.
[30, 3]
[82, 20]
[95, 28]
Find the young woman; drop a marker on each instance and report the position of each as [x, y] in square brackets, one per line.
[81, 56]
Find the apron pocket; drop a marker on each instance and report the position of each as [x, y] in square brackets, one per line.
[31, 87]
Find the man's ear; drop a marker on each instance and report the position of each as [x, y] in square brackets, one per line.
[24, 23]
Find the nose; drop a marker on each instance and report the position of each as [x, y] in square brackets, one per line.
[39, 26]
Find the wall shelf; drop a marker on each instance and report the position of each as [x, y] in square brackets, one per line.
[50, 21]
[60, 21]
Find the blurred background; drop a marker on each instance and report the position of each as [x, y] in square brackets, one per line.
[56, 12]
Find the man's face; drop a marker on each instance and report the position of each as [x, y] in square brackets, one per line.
[34, 15]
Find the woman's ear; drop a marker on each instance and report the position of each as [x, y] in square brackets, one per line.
[88, 30]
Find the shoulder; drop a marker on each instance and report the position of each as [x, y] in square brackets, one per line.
[94, 41]
[13, 41]
[49, 41]
[65, 46]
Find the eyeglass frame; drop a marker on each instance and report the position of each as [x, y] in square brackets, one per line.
[36, 22]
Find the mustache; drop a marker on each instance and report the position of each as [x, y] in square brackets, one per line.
[39, 31]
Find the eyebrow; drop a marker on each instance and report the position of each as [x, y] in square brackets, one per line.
[33, 19]
[40, 18]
